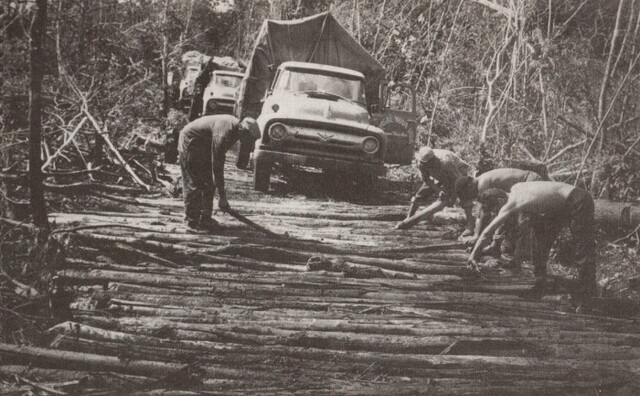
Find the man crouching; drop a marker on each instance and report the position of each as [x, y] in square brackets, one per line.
[550, 206]
[202, 148]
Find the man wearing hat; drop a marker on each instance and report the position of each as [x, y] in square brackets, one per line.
[550, 206]
[202, 148]
[479, 188]
[444, 167]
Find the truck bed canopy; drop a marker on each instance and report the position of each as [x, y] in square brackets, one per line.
[317, 39]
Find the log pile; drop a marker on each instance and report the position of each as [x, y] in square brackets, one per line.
[342, 304]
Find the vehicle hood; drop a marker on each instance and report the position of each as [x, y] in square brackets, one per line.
[300, 106]
[219, 92]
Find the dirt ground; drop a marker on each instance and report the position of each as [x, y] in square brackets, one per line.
[336, 303]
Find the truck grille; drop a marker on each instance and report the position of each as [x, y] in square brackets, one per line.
[325, 143]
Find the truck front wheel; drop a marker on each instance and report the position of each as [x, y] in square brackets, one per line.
[261, 176]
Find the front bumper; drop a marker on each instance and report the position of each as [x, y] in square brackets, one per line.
[271, 157]
[222, 107]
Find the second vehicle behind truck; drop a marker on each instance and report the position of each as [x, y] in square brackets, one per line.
[219, 96]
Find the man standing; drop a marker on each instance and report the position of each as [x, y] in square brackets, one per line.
[444, 167]
[550, 206]
[202, 147]
[469, 188]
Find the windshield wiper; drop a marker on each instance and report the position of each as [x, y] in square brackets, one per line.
[319, 92]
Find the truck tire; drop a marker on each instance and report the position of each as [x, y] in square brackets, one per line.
[368, 184]
[261, 176]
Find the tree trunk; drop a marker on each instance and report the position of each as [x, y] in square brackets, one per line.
[36, 188]
[608, 72]
[165, 51]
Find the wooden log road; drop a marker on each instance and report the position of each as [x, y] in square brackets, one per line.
[342, 304]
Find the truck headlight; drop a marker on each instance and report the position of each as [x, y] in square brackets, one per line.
[278, 131]
[211, 105]
[370, 145]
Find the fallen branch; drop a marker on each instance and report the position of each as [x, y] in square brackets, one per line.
[421, 249]
[115, 151]
[83, 187]
[151, 256]
[72, 188]
[12, 229]
[93, 227]
[65, 144]
[16, 223]
[122, 200]
[580, 129]
[41, 386]
[71, 173]
[564, 150]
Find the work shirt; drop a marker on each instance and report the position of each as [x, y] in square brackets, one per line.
[447, 170]
[220, 132]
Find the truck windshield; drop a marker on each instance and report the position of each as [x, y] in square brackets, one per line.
[346, 87]
[222, 80]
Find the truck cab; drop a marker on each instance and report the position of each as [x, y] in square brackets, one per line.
[316, 115]
[220, 94]
[187, 84]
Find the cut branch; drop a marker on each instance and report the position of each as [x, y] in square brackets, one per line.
[115, 151]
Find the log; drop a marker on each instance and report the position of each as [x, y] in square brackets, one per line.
[616, 216]
[153, 257]
[350, 270]
[84, 187]
[50, 358]
[368, 325]
[313, 352]
[345, 341]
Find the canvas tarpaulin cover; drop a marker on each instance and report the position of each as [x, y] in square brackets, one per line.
[316, 39]
[217, 62]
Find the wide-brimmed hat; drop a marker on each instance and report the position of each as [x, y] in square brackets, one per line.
[425, 154]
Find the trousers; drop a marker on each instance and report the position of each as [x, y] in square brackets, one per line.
[579, 218]
[197, 182]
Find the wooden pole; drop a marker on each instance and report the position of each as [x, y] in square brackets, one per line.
[165, 52]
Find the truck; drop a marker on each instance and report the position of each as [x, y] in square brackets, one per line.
[192, 62]
[321, 101]
[209, 84]
[219, 96]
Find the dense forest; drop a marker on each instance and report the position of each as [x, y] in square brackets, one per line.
[551, 82]
[319, 291]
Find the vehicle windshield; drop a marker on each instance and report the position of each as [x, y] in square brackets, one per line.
[222, 80]
[347, 87]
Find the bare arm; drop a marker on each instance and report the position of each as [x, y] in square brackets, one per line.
[481, 221]
[506, 211]
[427, 188]
[217, 163]
[246, 147]
[468, 211]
